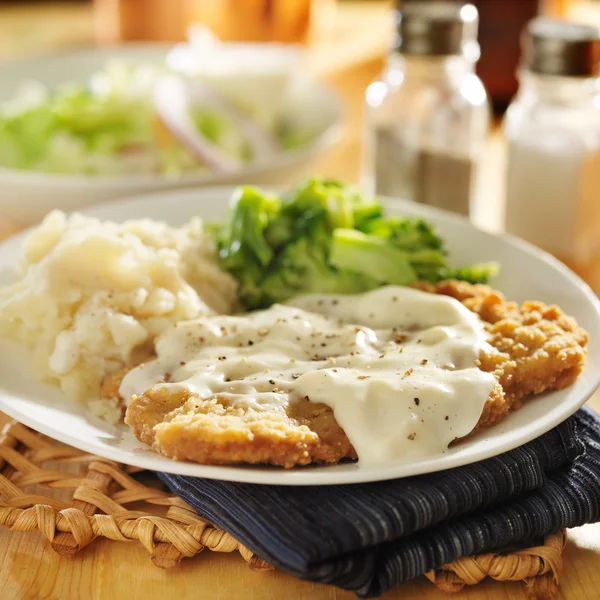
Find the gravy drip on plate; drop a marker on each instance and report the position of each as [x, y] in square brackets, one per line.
[396, 365]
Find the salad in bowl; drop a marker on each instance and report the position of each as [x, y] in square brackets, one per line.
[98, 124]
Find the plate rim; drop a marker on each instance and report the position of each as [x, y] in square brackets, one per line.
[317, 475]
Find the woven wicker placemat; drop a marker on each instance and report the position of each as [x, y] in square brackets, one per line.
[73, 497]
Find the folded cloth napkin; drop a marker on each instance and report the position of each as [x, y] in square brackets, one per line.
[369, 537]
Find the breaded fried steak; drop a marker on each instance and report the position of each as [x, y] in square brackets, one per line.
[532, 348]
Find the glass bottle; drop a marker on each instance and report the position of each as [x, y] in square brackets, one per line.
[428, 116]
[553, 133]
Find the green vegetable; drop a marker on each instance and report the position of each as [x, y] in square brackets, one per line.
[325, 237]
[243, 249]
[81, 129]
[24, 137]
[477, 273]
[292, 139]
[302, 268]
[108, 126]
[218, 129]
[371, 256]
[211, 124]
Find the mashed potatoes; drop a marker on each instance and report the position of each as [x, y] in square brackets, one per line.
[93, 295]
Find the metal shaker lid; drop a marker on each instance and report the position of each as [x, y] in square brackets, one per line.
[437, 28]
[553, 47]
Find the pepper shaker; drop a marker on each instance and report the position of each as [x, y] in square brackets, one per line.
[428, 117]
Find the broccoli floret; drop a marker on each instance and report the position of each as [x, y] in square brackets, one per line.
[342, 206]
[477, 273]
[321, 198]
[243, 239]
[302, 269]
[324, 237]
[243, 250]
[408, 234]
[371, 256]
[419, 241]
[366, 213]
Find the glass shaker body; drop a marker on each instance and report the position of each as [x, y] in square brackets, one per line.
[426, 125]
[553, 164]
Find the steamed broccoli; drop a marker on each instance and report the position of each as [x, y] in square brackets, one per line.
[244, 233]
[477, 273]
[302, 268]
[371, 256]
[324, 237]
[243, 250]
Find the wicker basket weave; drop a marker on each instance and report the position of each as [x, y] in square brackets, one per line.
[125, 504]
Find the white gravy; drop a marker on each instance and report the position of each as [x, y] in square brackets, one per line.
[396, 365]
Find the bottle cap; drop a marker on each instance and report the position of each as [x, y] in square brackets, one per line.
[437, 29]
[553, 47]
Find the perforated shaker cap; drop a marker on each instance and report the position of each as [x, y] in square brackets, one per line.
[437, 28]
[553, 47]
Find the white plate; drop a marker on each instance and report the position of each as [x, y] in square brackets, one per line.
[28, 195]
[527, 273]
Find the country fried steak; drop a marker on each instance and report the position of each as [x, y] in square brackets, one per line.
[537, 348]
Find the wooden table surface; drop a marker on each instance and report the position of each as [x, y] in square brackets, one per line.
[30, 570]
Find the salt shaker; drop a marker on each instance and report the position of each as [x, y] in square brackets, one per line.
[428, 117]
[553, 132]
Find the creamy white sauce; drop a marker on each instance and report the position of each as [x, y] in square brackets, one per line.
[396, 365]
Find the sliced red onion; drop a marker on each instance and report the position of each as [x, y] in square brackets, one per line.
[174, 98]
[263, 144]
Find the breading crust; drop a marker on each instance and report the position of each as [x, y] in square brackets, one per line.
[536, 348]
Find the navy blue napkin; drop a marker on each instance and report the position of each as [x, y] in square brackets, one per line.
[369, 537]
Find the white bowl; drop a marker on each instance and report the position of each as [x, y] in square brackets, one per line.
[26, 196]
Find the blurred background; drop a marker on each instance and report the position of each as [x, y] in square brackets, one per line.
[32, 26]
[347, 44]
